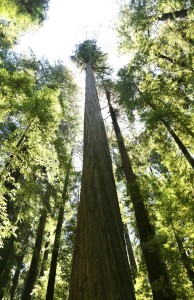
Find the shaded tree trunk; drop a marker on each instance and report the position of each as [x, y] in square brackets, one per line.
[45, 256]
[182, 14]
[16, 276]
[55, 251]
[100, 268]
[185, 259]
[130, 252]
[158, 276]
[33, 270]
[179, 143]
[6, 253]
[9, 183]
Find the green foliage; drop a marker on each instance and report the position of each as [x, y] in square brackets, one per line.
[88, 52]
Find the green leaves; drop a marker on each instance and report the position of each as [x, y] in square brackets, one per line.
[88, 52]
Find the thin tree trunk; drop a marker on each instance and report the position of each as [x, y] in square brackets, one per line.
[100, 269]
[4, 280]
[179, 143]
[184, 257]
[5, 253]
[45, 256]
[157, 272]
[130, 252]
[16, 276]
[10, 186]
[55, 252]
[33, 270]
[182, 14]
[10, 260]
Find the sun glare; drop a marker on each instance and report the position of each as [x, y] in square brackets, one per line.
[69, 23]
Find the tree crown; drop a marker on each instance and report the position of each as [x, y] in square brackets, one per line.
[88, 52]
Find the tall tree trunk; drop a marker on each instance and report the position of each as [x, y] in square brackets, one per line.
[55, 252]
[9, 183]
[157, 272]
[130, 252]
[5, 280]
[16, 276]
[100, 268]
[33, 270]
[6, 253]
[45, 256]
[179, 143]
[11, 259]
[184, 257]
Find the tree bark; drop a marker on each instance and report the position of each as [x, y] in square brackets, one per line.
[100, 268]
[45, 256]
[157, 273]
[130, 252]
[33, 270]
[182, 14]
[179, 143]
[55, 252]
[16, 276]
[185, 259]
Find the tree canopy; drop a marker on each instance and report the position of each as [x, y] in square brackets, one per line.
[119, 222]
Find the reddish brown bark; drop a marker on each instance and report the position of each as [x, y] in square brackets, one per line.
[100, 269]
[157, 272]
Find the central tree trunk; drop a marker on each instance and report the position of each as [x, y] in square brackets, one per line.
[100, 269]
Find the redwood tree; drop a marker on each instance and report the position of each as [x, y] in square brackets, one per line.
[157, 272]
[100, 267]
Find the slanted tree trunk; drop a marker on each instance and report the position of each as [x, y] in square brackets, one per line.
[9, 184]
[55, 251]
[177, 140]
[100, 269]
[180, 144]
[5, 279]
[45, 256]
[33, 270]
[130, 252]
[184, 257]
[182, 14]
[16, 276]
[157, 272]
[6, 253]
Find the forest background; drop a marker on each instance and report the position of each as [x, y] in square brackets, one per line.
[150, 105]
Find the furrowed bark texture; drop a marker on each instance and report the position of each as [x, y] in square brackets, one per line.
[158, 276]
[55, 251]
[100, 269]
